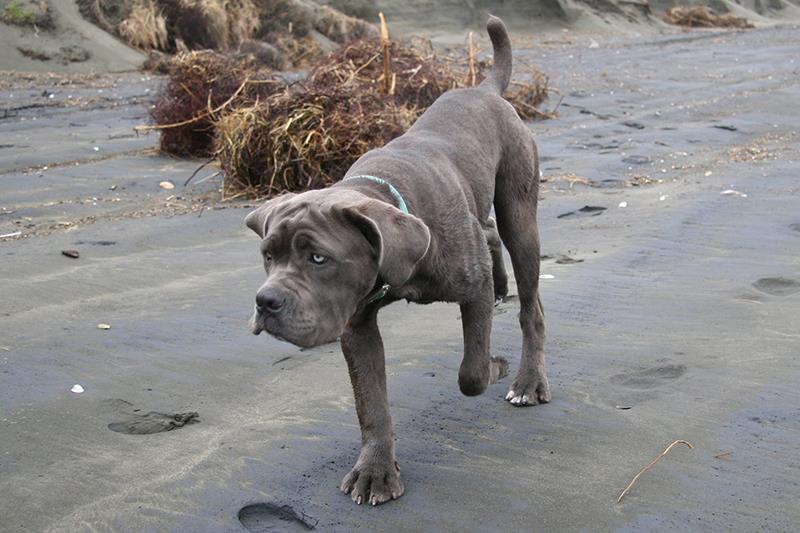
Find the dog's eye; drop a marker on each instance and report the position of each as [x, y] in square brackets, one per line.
[267, 258]
[318, 259]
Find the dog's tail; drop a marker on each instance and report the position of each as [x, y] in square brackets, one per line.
[498, 78]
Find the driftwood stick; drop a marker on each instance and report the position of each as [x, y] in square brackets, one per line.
[471, 53]
[649, 466]
[386, 45]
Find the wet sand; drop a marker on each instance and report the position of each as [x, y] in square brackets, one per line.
[679, 323]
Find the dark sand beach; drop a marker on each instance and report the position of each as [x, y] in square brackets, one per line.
[678, 320]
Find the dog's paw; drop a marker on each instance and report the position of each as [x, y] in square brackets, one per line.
[373, 483]
[499, 369]
[530, 389]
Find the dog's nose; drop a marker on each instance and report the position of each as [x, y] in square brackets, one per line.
[269, 301]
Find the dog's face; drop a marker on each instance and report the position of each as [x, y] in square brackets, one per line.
[323, 252]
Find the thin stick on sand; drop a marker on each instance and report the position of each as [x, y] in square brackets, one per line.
[471, 52]
[386, 45]
[649, 466]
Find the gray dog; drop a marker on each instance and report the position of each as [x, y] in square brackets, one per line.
[411, 221]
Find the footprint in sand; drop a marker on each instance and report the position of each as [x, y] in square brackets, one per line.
[777, 286]
[262, 517]
[651, 377]
[153, 422]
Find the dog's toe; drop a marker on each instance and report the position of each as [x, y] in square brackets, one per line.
[530, 389]
[373, 484]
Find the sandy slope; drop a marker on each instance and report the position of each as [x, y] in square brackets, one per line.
[684, 309]
[68, 44]
[76, 45]
[440, 18]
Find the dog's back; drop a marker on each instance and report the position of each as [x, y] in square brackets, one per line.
[461, 141]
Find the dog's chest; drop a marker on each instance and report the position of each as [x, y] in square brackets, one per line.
[456, 281]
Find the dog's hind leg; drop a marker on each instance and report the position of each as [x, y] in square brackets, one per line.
[515, 205]
[499, 275]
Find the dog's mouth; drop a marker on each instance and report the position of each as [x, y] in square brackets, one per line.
[304, 337]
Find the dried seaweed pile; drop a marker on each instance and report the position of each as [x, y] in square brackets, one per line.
[702, 17]
[303, 139]
[417, 76]
[270, 137]
[200, 83]
[307, 136]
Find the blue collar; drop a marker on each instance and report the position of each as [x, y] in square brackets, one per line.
[401, 204]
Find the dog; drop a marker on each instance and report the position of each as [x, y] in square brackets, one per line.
[411, 221]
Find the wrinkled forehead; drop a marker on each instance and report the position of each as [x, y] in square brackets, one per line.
[312, 216]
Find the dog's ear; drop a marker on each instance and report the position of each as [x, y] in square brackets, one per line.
[257, 219]
[400, 240]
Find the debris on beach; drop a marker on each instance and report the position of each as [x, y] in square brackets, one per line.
[733, 192]
[567, 260]
[271, 136]
[167, 185]
[587, 210]
[77, 389]
[649, 466]
[154, 422]
[201, 84]
[308, 135]
[103, 326]
[623, 204]
[72, 254]
[703, 17]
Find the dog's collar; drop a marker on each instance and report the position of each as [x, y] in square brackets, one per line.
[379, 294]
[401, 204]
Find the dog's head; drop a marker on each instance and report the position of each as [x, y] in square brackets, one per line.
[324, 251]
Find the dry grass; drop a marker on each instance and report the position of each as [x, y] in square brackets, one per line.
[420, 77]
[339, 27]
[307, 136]
[200, 82]
[702, 17]
[527, 97]
[300, 52]
[297, 141]
[243, 20]
[145, 27]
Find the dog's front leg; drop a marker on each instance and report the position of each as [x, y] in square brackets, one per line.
[375, 478]
[478, 369]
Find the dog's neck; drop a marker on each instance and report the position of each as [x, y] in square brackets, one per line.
[380, 185]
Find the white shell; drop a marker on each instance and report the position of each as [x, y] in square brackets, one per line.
[731, 192]
[77, 389]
